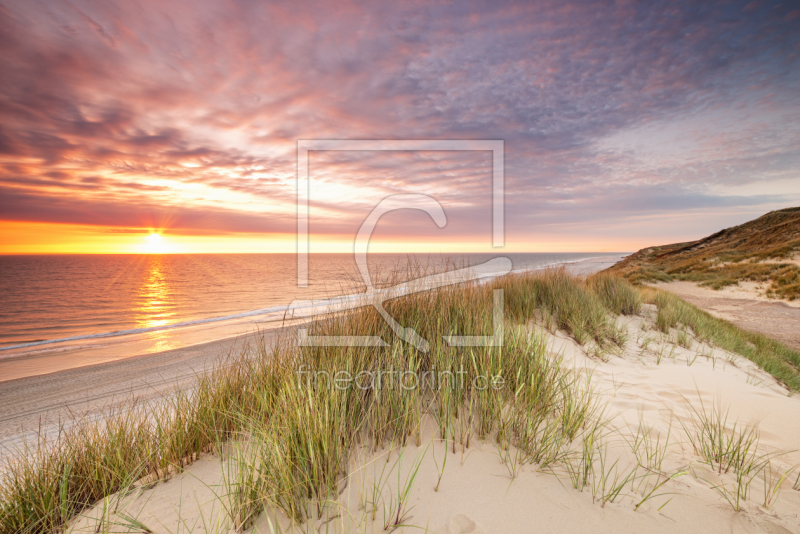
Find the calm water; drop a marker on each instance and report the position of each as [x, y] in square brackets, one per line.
[134, 304]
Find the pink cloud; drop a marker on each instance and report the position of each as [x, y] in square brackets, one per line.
[124, 105]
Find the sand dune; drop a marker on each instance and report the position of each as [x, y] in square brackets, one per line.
[655, 386]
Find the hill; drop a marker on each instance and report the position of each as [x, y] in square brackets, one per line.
[762, 250]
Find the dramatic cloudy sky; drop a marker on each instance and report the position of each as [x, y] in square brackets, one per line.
[625, 124]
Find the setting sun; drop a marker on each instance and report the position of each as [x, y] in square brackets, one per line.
[155, 244]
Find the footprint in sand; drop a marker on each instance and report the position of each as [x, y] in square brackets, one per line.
[461, 524]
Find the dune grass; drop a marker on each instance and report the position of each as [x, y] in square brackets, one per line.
[782, 279]
[733, 447]
[780, 361]
[755, 251]
[297, 412]
[582, 309]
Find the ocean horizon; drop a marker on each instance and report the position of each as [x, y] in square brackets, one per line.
[121, 305]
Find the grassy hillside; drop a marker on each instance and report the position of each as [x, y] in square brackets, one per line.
[749, 252]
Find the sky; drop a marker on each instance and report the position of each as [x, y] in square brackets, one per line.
[166, 126]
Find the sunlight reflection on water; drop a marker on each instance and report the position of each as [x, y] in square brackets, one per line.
[155, 306]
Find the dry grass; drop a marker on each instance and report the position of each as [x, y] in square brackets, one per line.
[728, 257]
[780, 361]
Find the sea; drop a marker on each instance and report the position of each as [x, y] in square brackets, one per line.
[108, 307]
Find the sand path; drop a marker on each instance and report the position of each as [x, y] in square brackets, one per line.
[745, 308]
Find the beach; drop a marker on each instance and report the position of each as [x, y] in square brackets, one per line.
[41, 401]
[648, 392]
[34, 398]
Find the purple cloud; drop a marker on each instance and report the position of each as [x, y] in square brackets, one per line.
[188, 113]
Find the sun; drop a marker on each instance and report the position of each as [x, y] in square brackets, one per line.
[155, 244]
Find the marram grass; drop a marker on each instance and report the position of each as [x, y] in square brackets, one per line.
[777, 359]
[293, 433]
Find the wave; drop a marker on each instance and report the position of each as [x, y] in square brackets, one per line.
[116, 333]
[323, 305]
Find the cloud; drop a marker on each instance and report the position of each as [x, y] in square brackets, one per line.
[166, 111]
[19, 205]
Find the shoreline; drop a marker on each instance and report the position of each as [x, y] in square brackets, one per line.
[31, 399]
[19, 366]
[230, 321]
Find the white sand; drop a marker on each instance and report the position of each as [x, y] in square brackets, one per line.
[477, 493]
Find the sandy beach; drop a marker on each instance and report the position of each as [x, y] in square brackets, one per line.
[45, 398]
[41, 401]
